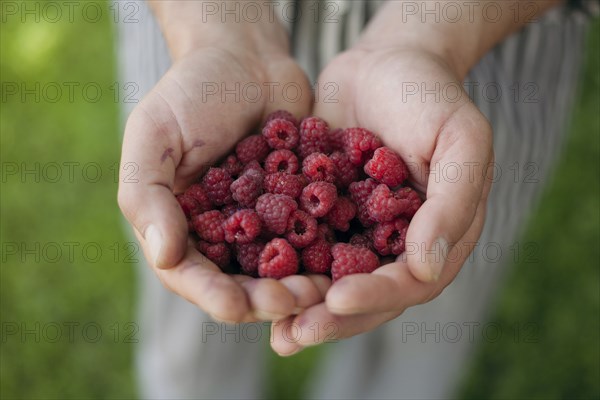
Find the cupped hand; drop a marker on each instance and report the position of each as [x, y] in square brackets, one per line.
[415, 102]
[197, 112]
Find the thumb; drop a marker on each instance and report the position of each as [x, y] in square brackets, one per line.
[149, 158]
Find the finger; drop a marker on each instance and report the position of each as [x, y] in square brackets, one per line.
[305, 291]
[201, 282]
[455, 186]
[149, 157]
[318, 325]
[269, 299]
[362, 293]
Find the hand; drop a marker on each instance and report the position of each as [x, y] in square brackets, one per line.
[171, 137]
[431, 133]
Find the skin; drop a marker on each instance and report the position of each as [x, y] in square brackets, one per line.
[175, 133]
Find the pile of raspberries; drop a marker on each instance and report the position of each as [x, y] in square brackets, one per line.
[302, 198]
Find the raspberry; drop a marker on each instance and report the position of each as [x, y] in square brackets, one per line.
[345, 172]
[254, 147]
[232, 165]
[254, 166]
[218, 253]
[216, 184]
[281, 134]
[281, 161]
[247, 255]
[189, 206]
[360, 240]
[326, 233]
[313, 137]
[317, 257]
[277, 260]
[384, 205]
[387, 167]
[275, 210]
[318, 167]
[317, 198]
[209, 226]
[348, 259]
[390, 237]
[246, 189]
[301, 229]
[242, 227]
[413, 199]
[341, 213]
[198, 194]
[281, 114]
[361, 191]
[284, 183]
[336, 139]
[360, 144]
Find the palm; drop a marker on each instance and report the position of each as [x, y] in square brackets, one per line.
[430, 132]
[194, 115]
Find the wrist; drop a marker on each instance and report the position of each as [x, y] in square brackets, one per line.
[458, 33]
[191, 25]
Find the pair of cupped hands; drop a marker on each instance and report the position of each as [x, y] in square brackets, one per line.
[179, 130]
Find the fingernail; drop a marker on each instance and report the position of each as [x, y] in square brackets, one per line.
[154, 239]
[267, 316]
[436, 258]
[297, 350]
[297, 310]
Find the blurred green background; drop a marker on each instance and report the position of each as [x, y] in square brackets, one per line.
[67, 278]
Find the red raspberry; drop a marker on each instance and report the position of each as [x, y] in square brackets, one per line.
[247, 255]
[341, 214]
[282, 114]
[384, 205]
[254, 147]
[242, 227]
[387, 167]
[254, 166]
[277, 260]
[390, 237]
[281, 161]
[218, 253]
[284, 183]
[317, 198]
[317, 257]
[415, 201]
[361, 240]
[281, 134]
[198, 194]
[216, 184]
[246, 189]
[209, 226]
[348, 259]
[360, 144]
[189, 206]
[313, 137]
[301, 229]
[232, 165]
[345, 172]
[275, 210]
[336, 139]
[361, 191]
[326, 233]
[318, 167]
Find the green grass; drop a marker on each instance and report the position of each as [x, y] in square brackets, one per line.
[563, 301]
